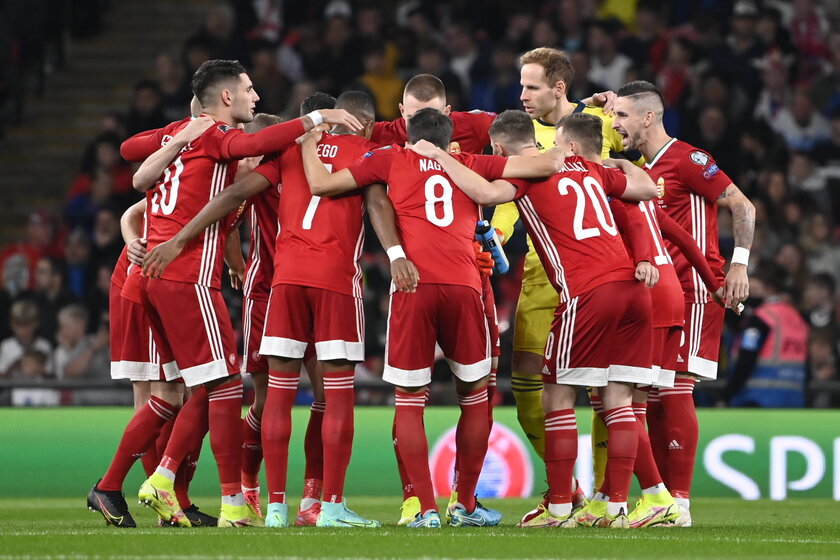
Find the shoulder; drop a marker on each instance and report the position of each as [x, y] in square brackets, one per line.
[474, 116]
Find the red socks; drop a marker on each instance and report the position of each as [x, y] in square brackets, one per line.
[645, 467]
[337, 431]
[191, 420]
[313, 448]
[224, 419]
[138, 437]
[471, 444]
[561, 443]
[412, 447]
[276, 431]
[251, 450]
[682, 432]
[186, 473]
[621, 451]
[407, 486]
[656, 432]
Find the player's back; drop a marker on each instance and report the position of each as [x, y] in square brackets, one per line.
[320, 238]
[692, 183]
[193, 178]
[574, 233]
[262, 218]
[469, 130]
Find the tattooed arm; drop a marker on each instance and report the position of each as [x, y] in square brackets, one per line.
[736, 284]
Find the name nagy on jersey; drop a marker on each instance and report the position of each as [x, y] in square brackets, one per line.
[428, 165]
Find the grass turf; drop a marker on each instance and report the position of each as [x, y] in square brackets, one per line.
[724, 528]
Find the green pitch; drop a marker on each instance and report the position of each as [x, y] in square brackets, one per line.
[725, 528]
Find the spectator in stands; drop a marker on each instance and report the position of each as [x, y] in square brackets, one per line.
[431, 59]
[737, 56]
[79, 354]
[24, 324]
[380, 80]
[800, 124]
[714, 134]
[609, 67]
[50, 295]
[501, 89]
[772, 33]
[35, 364]
[146, 110]
[822, 367]
[827, 156]
[371, 29]
[174, 92]
[818, 302]
[775, 94]
[808, 31]
[336, 63]
[826, 88]
[581, 86]
[823, 253]
[18, 261]
[272, 86]
[544, 33]
[196, 52]
[81, 210]
[466, 59]
[103, 154]
[572, 28]
[518, 30]
[77, 261]
[806, 178]
[792, 261]
[647, 45]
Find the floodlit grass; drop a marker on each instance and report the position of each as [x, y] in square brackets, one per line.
[724, 528]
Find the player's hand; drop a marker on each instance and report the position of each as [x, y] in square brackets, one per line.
[405, 275]
[647, 273]
[736, 286]
[605, 100]
[500, 235]
[342, 117]
[617, 163]
[483, 260]
[314, 135]
[159, 258]
[136, 251]
[557, 155]
[194, 129]
[237, 277]
[424, 148]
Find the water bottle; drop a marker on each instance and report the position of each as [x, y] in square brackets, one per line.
[486, 235]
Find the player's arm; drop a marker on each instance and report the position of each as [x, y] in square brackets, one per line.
[534, 167]
[674, 233]
[220, 206]
[131, 227]
[322, 182]
[382, 217]
[631, 224]
[141, 145]
[153, 167]
[277, 137]
[753, 338]
[234, 259]
[736, 284]
[639, 184]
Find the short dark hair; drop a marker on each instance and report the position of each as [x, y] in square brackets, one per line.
[584, 129]
[317, 101]
[640, 87]
[432, 125]
[212, 73]
[425, 87]
[357, 103]
[825, 281]
[514, 126]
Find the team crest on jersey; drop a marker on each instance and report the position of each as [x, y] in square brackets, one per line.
[660, 188]
[699, 158]
[225, 128]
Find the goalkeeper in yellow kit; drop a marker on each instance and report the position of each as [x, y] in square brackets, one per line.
[544, 76]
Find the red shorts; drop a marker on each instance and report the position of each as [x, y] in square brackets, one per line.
[300, 315]
[253, 322]
[191, 323]
[601, 335]
[666, 354]
[448, 315]
[489, 300]
[139, 358]
[701, 347]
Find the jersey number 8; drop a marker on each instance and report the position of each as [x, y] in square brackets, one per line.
[434, 202]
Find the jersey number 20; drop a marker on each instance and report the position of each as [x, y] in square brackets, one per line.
[595, 194]
[166, 195]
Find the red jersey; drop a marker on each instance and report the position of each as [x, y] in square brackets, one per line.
[259, 269]
[569, 220]
[202, 169]
[436, 220]
[469, 130]
[692, 183]
[320, 239]
[143, 144]
[121, 269]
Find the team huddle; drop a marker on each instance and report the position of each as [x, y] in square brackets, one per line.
[623, 293]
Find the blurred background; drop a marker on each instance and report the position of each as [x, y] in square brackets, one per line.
[755, 83]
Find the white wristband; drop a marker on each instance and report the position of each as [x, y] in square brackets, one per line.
[741, 256]
[316, 116]
[395, 252]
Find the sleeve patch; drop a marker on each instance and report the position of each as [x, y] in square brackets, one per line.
[699, 158]
[710, 171]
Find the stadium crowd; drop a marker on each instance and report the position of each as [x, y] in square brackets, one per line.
[756, 84]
